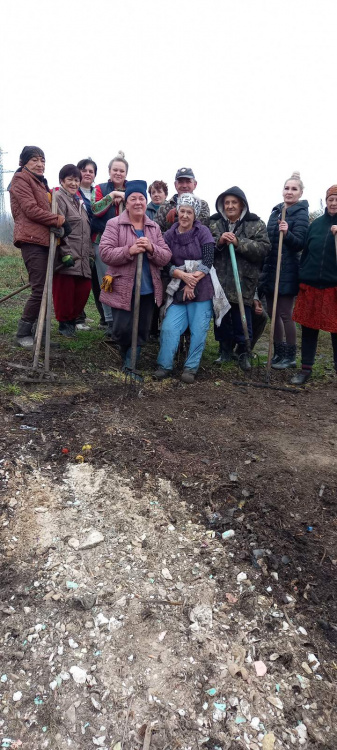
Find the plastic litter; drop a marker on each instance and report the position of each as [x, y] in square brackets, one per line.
[211, 692]
[228, 534]
[241, 577]
[79, 675]
[166, 574]
[275, 701]
[17, 696]
[71, 585]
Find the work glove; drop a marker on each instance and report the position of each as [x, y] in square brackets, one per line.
[91, 262]
[58, 231]
[68, 261]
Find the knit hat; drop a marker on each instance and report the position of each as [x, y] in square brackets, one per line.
[331, 191]
[136, 186]
[188, 199]
[28, 152]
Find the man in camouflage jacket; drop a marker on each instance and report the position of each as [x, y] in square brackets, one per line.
[234, 223]
[185, 182]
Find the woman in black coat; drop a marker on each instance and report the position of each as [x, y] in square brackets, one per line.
[294, 230]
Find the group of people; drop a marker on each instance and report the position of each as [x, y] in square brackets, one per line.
[188, 276]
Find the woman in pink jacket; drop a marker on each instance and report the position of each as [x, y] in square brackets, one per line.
[124, 238]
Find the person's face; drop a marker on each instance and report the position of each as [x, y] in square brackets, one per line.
[158, 195]
[117, 173]
[136, 204]
[291, 192]
[233, 207]
[71, 184]
[87, 176]
[186, 217]
[36, 164]
[331, 204]
[185, 185]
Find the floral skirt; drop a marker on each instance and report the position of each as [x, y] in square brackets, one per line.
[316, 308]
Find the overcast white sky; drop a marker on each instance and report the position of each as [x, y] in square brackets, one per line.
[243, 92]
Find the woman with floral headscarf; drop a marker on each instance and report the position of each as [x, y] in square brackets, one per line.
[192, 248]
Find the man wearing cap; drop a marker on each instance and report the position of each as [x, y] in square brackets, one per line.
[185, 182]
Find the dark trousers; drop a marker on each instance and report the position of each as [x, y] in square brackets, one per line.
[35, 258]
[285, 327]
[70, 294]
[309, 346]
[121, 325]
[259, 322]
[96, 290]
[230, 331]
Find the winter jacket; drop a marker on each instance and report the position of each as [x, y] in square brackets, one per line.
[118, 237]
[78, 242]
[31, 209]
[297, 218]
[102, 208]
[188, 246]
[172, 203]
[253, 246]
[318, 265]
[152, 208]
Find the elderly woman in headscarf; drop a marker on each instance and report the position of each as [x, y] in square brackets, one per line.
[192, 247]
[235, 224]
[33, 219]
[316, 304]
[124, 238]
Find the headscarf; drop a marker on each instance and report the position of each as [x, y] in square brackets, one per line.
[188, 199]
[331, 191]
[28, 152]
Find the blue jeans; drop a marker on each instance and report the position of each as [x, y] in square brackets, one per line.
[196, 316]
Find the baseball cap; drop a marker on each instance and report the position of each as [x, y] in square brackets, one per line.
[185, 172]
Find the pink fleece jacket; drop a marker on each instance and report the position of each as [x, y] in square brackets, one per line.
[118, 236]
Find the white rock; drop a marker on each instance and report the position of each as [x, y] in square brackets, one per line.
[92, 540]
[302, 630]
[53, 685]
[100, 620]
[255, 722]
[302, 734]
[73, 542]
[79, 675]
[100, 741]
[202, 615]
[241, 577]
[166, 574]
[114, 624]
[162, 635]
[72, 643]
[275, 701]
[17, 696]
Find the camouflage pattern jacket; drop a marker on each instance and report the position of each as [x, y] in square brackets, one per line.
[162, 212]
[253, 246]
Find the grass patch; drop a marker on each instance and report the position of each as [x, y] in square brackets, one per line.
[86, 355]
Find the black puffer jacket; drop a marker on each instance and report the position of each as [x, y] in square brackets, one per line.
[297, 218]
[252, 248]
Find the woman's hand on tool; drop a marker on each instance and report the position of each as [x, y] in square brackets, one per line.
[146, 244]
[136, 249]
[283, 227]
[228, 237]
[334, 229]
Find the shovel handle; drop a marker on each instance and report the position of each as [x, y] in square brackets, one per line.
[277, 283]
[240, 298]
[136, 307]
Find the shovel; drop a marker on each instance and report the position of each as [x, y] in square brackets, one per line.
[240, 298]
[132, 369]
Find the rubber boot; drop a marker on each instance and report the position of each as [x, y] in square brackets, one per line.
[225, 353]
[67, 329]
[301, 377]
[243, 358]
[279, 352]
[53, 345]
[289, 359]
[24, 336]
